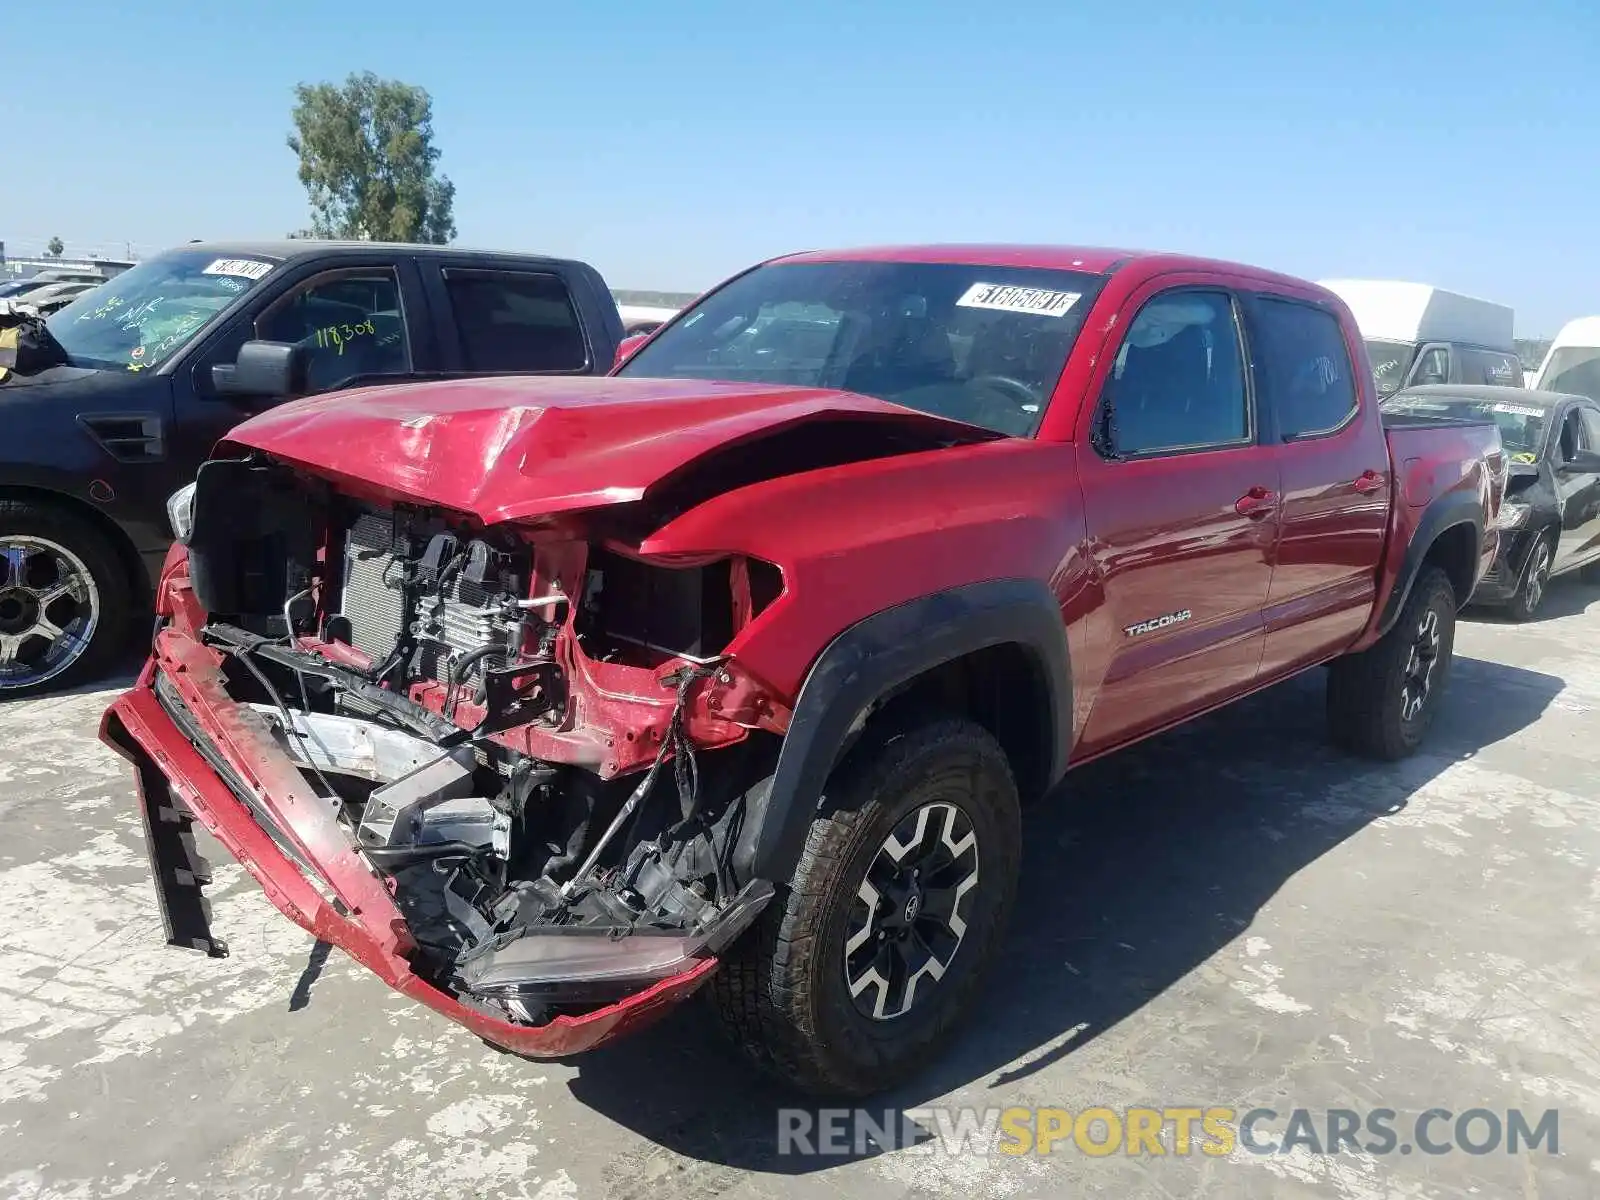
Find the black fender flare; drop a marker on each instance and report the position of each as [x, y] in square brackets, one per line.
[871, 660]
[1445, 513]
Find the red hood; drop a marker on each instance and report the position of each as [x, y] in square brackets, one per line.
[512, 447]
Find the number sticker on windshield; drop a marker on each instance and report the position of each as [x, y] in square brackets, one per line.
[1519, 410]
[1003, 297]
[247, 268]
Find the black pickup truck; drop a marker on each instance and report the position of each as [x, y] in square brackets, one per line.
[146, 372]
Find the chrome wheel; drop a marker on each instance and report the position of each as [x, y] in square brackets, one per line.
[908, 918]
[49, 610]
[1417, 681]
[1538, 576]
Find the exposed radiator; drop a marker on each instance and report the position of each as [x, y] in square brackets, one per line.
[371, 596]
[449, 622]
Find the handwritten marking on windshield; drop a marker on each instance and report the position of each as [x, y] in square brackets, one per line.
[338, 335]
[105, 310]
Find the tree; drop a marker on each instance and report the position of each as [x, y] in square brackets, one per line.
[54, 248]
[367, 160]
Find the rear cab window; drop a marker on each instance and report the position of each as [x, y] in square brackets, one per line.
[514, 321]
[1304, 367]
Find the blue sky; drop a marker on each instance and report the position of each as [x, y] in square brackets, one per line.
[671, 144]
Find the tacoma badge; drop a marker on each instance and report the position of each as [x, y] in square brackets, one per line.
[1154, 623]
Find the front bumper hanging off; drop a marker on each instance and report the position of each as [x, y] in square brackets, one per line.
[230, 775]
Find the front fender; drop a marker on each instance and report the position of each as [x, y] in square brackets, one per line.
[870, 661]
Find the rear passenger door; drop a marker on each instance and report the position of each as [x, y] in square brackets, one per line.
[507, 320]
[1334, 464]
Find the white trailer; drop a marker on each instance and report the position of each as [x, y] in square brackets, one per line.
[1572, 364]
[1417, 333]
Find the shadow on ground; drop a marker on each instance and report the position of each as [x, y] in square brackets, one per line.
[1566, 596]
[1206, 822]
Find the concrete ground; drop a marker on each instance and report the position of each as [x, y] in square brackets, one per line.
[1232, 915]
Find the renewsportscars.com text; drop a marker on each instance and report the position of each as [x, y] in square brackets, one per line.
[1157, 1132]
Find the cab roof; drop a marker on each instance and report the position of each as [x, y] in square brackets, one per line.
[289, 249]
[1097, 260]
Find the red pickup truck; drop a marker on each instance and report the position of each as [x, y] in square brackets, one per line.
[551, 700]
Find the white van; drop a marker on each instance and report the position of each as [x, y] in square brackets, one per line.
[1416, 333]
[1572, 364]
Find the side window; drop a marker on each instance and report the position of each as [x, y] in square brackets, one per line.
[515, 321]
[1306, 367]
[1490, 366]
[1433, 366]
[1572, 435]
[1178, 380]
[1591, 428]
[352, 322]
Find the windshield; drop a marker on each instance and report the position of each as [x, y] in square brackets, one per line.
[1521, 425]
[1390, 362]
[1574, 370]
[979, 344]
[148, 313]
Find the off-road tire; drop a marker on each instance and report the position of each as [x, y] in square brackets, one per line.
[57, 525]
[1530, 592]
[1365, 703]
[781, 990]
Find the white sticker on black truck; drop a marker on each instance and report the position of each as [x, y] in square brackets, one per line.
[245, 268]
[1005, 297]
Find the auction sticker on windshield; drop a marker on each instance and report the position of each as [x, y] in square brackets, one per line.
[1003, 297]
[247, 268]
[1518, 410]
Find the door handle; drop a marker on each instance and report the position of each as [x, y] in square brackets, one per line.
[1257, 502]
[1369, 481]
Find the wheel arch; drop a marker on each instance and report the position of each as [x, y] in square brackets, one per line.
[133, 565]
[993, 651]
[1449, 536]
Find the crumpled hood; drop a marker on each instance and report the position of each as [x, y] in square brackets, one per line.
[506, 448]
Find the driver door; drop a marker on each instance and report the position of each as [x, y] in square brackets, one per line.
[1181, 503]
[357, 319]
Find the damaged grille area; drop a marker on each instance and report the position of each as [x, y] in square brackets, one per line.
[537, 868]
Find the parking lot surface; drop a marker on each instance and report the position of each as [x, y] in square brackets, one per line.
[1232, 915]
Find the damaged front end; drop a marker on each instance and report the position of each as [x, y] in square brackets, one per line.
[508, 767]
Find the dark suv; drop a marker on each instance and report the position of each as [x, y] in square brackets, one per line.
[148, 373]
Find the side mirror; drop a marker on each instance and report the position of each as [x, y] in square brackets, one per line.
[265, 370]
[627, 346]
[1584, 462]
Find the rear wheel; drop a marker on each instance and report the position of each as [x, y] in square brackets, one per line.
[1535, 578]
[64, 599]
[1382, 700]
[857, 974]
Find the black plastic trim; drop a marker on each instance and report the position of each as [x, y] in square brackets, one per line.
[1445, 513]
[874, 657]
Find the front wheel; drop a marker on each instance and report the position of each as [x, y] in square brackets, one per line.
[857, 975]
[1381, 701]
[64, 599]
[1535, 578]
